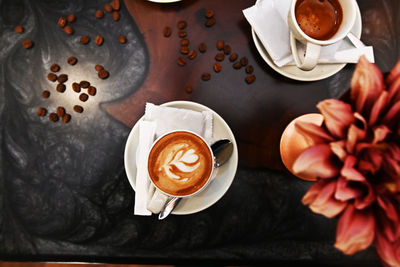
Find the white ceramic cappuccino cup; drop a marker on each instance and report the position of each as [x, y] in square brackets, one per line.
[313, 46]
[159, 198]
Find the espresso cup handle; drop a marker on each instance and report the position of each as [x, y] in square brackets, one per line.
[157, 201]
[311, 55]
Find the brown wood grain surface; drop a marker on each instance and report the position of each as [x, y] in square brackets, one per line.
[256, 113]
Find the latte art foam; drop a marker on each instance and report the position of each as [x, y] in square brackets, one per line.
[180, 163]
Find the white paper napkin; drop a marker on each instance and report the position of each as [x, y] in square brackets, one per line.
[268, 18]
[157, 121]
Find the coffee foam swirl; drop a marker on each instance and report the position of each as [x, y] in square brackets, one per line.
[180, 163]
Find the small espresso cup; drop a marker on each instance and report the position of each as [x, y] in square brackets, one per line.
[348, 14]
[180, 164]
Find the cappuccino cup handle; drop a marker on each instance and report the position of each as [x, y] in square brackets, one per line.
[157, 201]
[311, 55]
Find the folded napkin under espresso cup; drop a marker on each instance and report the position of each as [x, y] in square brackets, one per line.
[270, 21]
[157, 121]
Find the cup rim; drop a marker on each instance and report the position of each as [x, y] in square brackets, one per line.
[212, 164]
[332, 40]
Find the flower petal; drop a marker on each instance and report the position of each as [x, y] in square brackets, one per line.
[338, 115]
[367, 198]
[377, 108]
[391, 116]
[320, 199]
[366, 85]
[380, 133]
[387, 251]
[355, 230]
[316, 161]
[313, 131]
[339, 149]
[356, 134]
[349, 172]
[344, 192]
[394, 89]
[394, 73]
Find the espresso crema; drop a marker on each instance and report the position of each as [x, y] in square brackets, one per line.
[180, 163]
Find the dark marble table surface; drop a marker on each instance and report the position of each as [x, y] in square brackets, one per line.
[64, 194]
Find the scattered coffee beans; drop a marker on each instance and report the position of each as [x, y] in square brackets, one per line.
[244, 61]
[115, 4]
[76, 87]
[68, 30]
[202, 47]
[71, 18]
[83, 97]
[250, 78]
[19, 29]
[192, 54]
[167, 31]
[52, 77]
[99, 40]
[182, 24]
[92, 90]
[182, 33]
[220, 57]
[62, 22]
[233, 57]
[60, 111]
[60, 88]
[116, 16]
[249, 69]
[206, 76]
[237, 65]
[189, 89]
[210, 22]
[98, 67]
[108, 8]
[78, 109]
[181, 61]
[99, 14]
[45, 94]
[84, 84]
[62, 78]
[27, 43]
[66, 118]
[210, 13]
[54, 68]
[53, 117]
[185, 42]
[227, 49]
[217, 67]
[122, 39]
[85, 39]
[41, 112]
[103, 74]
[72, 60]
[220, 44]
[184, 50]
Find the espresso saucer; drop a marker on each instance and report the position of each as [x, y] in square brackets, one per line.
[225, 174]
[321, 71]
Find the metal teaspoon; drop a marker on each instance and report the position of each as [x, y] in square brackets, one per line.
[222, 150]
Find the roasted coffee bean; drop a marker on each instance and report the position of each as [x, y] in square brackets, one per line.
[103, 74]
[202, 47]
[92, 90]
[85, 39]
[237, 65]
[71, 18]
[250, 78]
[182, 34]
[115, 4]
[41, 112]
[167, 31]
[53, 117]
[122, 39]
[189, 89]
[220, 57]
[220, 44]
[99, 40]
[68, 30]
[72, 60]
[76, 87]
[108, 8]
[54, 68]
[62, 78]
[99, 14]
[210, 22]
[66, 118]
[78, 108]
[227, 49]
[27, 43]
[233, 57]
[60, 111]
[116, 16]
[60, 88]
[206, 76]
[244, 61]
[45, 94]
[98, 67]
[62, 22]
[84, 84]
[83, 97]
[19, 29]
[217, 67]
[184, 50]
[52, 77]
[210, 13]
[185, 42]
[181, 61]
[249, 69]
[182, 24]
[192, 54]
